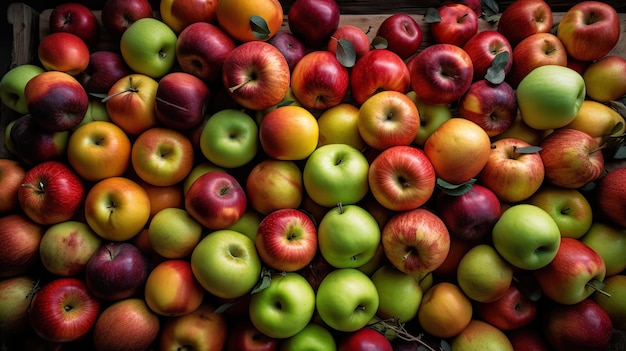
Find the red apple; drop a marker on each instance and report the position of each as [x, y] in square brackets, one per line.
[290, 46]
[402, 33]
[75, 18]
[364, 339]
[181, 100]
[203, 330]
[378, 70]
[244, 336]
[348, 34]
[104, 69]
[117, 15]
[524, 18]
[178, 14]
[483, 48]
[457, 25]
[11, 174]
[512, 311]
[20, 237]
[491, 106]
[611, 196]
[313, 21]
[64, 52]
[528, 338]
[536, 50]
[33, 144]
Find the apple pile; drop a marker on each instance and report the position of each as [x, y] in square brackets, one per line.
[227, 178]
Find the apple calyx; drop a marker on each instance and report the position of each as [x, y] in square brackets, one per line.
[392, 324]
[455, 189]
[597, 285]
[259, 27]
[130, 89]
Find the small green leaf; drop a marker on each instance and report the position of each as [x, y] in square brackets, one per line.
[489, 7]
[445, 346]
[259, 27]
[619, 106]
[620, 154]
[223, 307]
[285, 103]
[555, 28]
[346, 54]
[495, 72]
[98, 95]
[455, 189]
[264, 281]
[527, 149]
[492, 19]
[432, 15]
[380, 43]
[529, 287]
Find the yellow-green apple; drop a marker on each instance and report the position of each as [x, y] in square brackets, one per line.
[336, 173]
[51, 192]
[248, 223]
[598, 120]
[20, 237]
[399, 293]
[286, 239]
[11, 174]
[98, 150]
[581, 326]
[378, 70]
[133, 95]
[602, 78]
[56, 100]
[609, 241]
[32, 144]
[536, 50]
[181, 100]
[284, 307]
[514, 170]
[571, 158]
[319, 81]
[289, 133]
[363, 339]
[290, 46]
[104, 69]
[492, 106]
[401, 178]
[483, 275]
[615, 305]
[274, 184]
[589, 30]
[455, 25]
[416, 241]
[237, 257]
[313, 22]
[118, 15]
[315, 337]
[526, 236]
[528, 338]
[96, 111]
[77, 19]
[512, 311]
[441, 73]
[201, 49]
[171, 289]
[388, 118]
[126, 324]
[148, 47]
[66, 247]
[179, 14]
[573, 275]
[64, 52]
[15, 297]
[610, 196]
[256, 75]
[445, 310]
[570, 209]
[173, 233]
[63, 310]
[483, 48]
[431, 117]
[339, 125]
[458, 248]
[523, 18]
[550, 96]
[337, 242]
[162, 156]
[229, 138]
[203, 329]
[402, 34]
[480, 335]
[216, 200]
[116, 271]
[521, 131]
[117, 208]
[13, 83]
[349, 35]
[198, 170]
[470, 215]
[346, 299]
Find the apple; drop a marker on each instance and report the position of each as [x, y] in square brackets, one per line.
[274, 184]
[399, 293]
[609, 196]
[336, 173]
[608, 240]
[339, 125]
[401, 178]
[171, 289]
[539, 49]
[601, 78]
[483, 275]
[256, 75]
[614, 306]
[482, 336]
[313, 21]
[154, 57]
[402, 33]
[364, 339]
[290, 46]
[162, 197]
[237, 257]
[77, 19]
[198, 170]
[13, 83]
[511, 311]
[20, 237]
[526, 236]
[203, 329]
[524, 18]
[250, 21]
[319, 81]
[126, 324]
[431, 117]
[118, 15]
[116, 271]
[16, 294]
[528, 338]
[56, 100]
[444, 311]
[32, 144]
[201, 49]
[571, 158]
[117, 208]
[133, 95]
[376, 71]
[514, 170]
[179, 14]
[63, 310]
[315, 337]
[104, 69]
[173, 233]
[64, 52]
[483, 48]
[348, 35]
[216, 200]
[229, 138]
[570, 209]
[599, 120]
[11, 174]
[589, 30]
[289, 133]
[181, 100]
[415, 241]
[456, 25]
[491, 106]
[244, 336]
[471, 215]
[346, 299]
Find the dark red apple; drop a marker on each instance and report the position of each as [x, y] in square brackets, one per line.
[313, 21]
[33, 145]
[364, 339]
[403, 34]
[75, 18]
[117, 15]
[244, 336]
[104, 69]
[290, 46]
[20, 237]
[512, 311]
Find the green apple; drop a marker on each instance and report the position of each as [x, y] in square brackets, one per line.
[526, 236]
[15, 297]
[550, 96]
[348, 236]
[226, 263]
[346, 299]
[229, 138]
[615, 305]
[285, 307]
[483, 275]
[336, 173]
[314, 337]
[569, 208]
[609, 241]
[481, 336]
[431, 117]
[399, 293]
[174, 233]
[248, 223]
[96, 111]
[12, 86]
[148, 47]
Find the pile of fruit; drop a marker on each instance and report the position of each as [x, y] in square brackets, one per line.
[228, 178]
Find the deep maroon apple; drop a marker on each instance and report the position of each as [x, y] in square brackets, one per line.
[75, 18]
[104, 69]
[313, 21]
[117, 15]
[290, 46]
[402, 33]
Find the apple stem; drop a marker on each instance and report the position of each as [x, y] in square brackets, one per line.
[597, 148]
[597, 285]
[130, 89]
[406, 255]
[393, 324]
[39, 187]
[31, 294]
[171, 104]
[232, 89]
[340, 207]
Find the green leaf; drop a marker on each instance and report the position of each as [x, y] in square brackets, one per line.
[223, 307]
[260, 30]
[264, 281]
[489, 7]
[445, 346]
[620, 153]
[99, 96]
[495, 72]
[380, 43]
[455, 189]
[527, 149]
[529, 287]
[432, 15]
[555, 28]
[346, 54]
